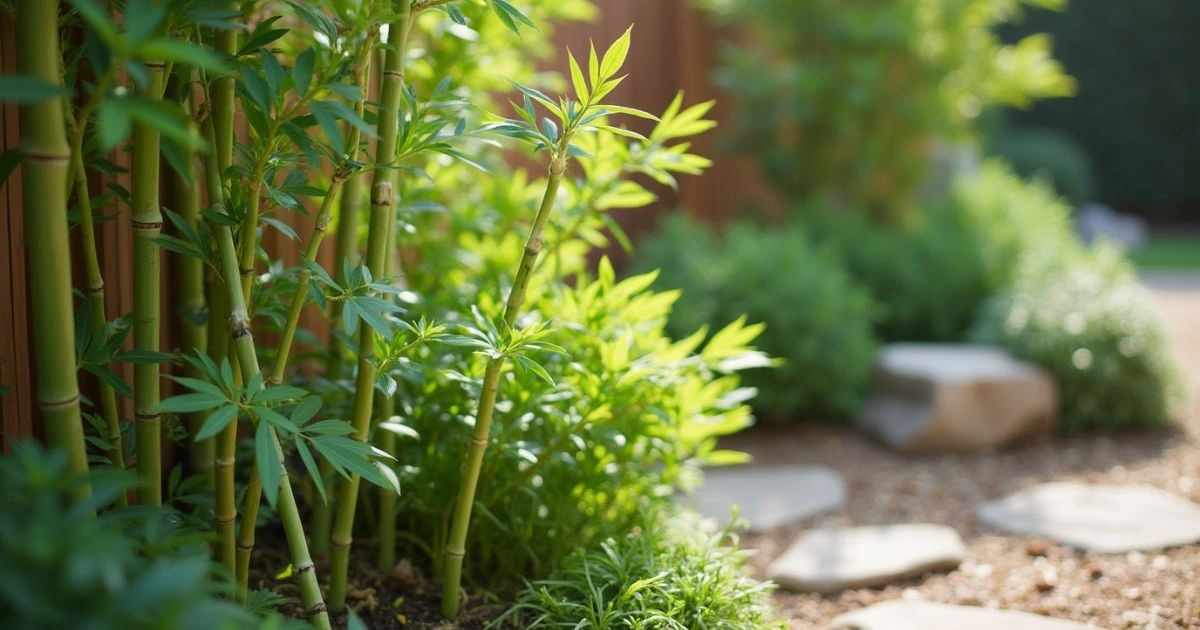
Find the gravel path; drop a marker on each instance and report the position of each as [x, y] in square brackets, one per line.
[1152, 590]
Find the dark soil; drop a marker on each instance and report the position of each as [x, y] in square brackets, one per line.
[404, 599]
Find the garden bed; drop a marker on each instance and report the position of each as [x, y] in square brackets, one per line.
[1135, 590]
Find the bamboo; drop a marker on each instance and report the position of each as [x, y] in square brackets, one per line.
[220, 104]
[192, 303]
[243, 340]
[456, 545]
[94, 278]
[382, 216]
[146, 220]
[46, 159]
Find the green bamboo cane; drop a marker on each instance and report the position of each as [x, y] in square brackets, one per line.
[220, 104]
[456, 548]
[190, 278]
[247, 359]
[146, 220]
[382, 216]
[345, 248]
[94, 277]
[46, 162]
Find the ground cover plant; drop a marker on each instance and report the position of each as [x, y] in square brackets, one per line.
[501, 417]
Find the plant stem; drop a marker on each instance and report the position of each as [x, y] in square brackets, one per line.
[193, 307]
[456, 548]
[146, 220]
[382, 216]
[46, 159]
[220, 101]
[95, 280]
[247, 358]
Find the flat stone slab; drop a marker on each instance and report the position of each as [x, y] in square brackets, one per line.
[1100, 518]
[934, 397]
[829, 560]
[915, 615]
[769, 497]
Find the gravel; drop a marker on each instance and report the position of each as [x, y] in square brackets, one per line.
[1135, 590]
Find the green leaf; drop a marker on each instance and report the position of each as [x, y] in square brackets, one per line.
[581, 90]
[142, 18]
[306, 409]
[216, 422]
[266, 455]
[510, 16]
[182, 53]
[303, 70]
[97, 17]
[614, 57]
[188, 403]
[314, 472]
[278, 394]
[15, 88]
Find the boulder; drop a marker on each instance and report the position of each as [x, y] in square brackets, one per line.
[832, 559]
[945, 398]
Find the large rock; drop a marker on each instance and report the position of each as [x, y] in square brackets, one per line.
[944, 397]
[833, 559]
[770, 497]
[916, 615]
[1100, 518]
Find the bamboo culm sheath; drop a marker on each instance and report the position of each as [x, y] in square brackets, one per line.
[247, 359]
[46, 159]
[456, 548]
[382, 216]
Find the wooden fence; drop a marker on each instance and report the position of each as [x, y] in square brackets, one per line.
[674, 49]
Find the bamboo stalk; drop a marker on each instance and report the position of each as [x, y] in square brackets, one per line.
[247, 358]
[382, 216]
[46, 159]
[193, 306]
[146, 220]
[95, 279]
[220, 104]
[456, 545]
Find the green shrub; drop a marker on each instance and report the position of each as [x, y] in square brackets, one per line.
[1013, 221]
[130, 568]
[671, 576]
[1090, 324]
[843, 100]
[896, 265]
[818, 321]
[1047, 153]
[621, 419]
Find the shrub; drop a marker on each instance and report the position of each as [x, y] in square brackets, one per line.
[818, 320]
[618, 422]
[671, 576]
[1093, 328]
[842, 100]
[131, 568]
[1046, 153]
[895, 265]
[1013, 220]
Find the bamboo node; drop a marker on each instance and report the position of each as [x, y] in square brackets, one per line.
[394, 74]
[342, 542]
[456, 554]
[246, 548]
[219, 518]
[146, 225]
[305, 568]
[147, 417]
[224, 462]
[95, 289]
[317, 609]
[54, 405]
[481, 441]
[534, 247]
[381, 194]
[33, 155]
[558, 166]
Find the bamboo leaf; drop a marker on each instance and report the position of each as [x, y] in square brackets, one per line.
[97, 17]
[216, 422]
[188, 403]
[581, 89]
[302, 71]
[614, 57]
[16, 88]
[181, 52]
[310, 466]
[267, 458]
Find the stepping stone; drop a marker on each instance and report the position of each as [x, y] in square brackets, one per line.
[1100, 518]
[770, 497]
[931, 397]
[834, 559]
[915, 615]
